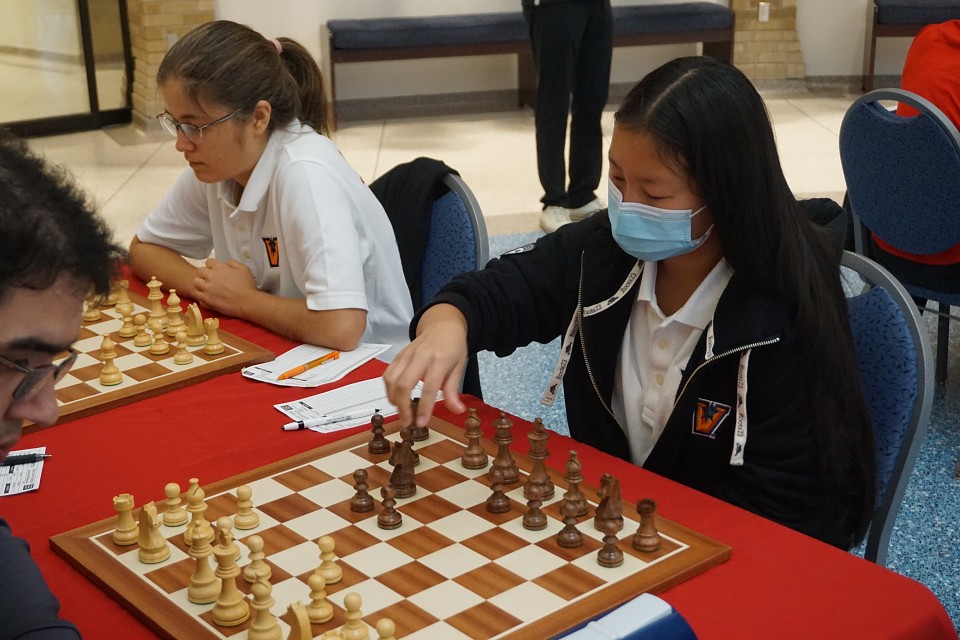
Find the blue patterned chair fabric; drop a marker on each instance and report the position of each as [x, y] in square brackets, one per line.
[888, 370]
[451, 245]
[916, 11]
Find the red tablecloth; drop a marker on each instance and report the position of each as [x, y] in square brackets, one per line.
[778, 583]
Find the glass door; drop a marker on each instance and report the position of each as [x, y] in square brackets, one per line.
[65, 65]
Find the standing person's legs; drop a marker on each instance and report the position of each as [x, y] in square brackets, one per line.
[590, 91]
[555, 39]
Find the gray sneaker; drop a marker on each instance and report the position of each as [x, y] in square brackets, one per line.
[553, 217]
[586, 210]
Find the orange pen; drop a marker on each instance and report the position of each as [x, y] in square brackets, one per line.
[333, 355]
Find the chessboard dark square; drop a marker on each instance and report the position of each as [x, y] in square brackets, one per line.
[317, 630]
[351, 577]
[407, 617]
[373, 458]
[428, 508]
[666, 546]
[483, 621]
[516, 512]
[443, 451]
[173, 577]
[420, 542]
[350, 540]
[569, 581]
[224, 504]
[439, 478]
[227, 351]
[302, 478]
[410, 579]
[147, 371]
[590, 545]
[495, 543]
[343, 510]
[75, 392]
[289, 507]
[277, 575]
[489, 580]
[88, 373]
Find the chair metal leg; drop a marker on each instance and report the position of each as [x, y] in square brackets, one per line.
[943, 343]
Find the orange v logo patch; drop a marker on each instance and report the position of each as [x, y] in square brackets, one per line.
[708, 417]
[273, 251]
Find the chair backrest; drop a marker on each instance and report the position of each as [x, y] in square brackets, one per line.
[902, 173]
[896, 370]
[457, 241]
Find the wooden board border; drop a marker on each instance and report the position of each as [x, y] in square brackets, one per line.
[169, 621]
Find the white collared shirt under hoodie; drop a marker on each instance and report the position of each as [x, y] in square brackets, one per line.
[653, 354]
[305, 225]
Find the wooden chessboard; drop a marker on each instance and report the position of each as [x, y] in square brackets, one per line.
[451, 571]
[80, 393]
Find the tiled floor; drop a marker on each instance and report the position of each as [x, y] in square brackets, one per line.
[493, 152]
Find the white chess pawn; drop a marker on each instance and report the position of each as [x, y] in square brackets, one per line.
[128, 330]
[319, 610]
[354, 628]
[246, 517]
[329, 570]
[160, 345]
[257, 566]
[175, 515]
[109, 374]
[142, 339]
[386, 629]
[183, 355]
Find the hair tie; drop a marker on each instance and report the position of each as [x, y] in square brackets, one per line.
[276, 43]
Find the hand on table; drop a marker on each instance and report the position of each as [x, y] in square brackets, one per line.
[224, 286]
[438, 356]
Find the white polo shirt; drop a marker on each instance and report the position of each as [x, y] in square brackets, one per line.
[654, 351]
[306, 226]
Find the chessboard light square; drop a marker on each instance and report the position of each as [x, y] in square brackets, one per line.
[317, 523]
[369, 525]
[83, 360]
[528, 601]
[457, 466]
[516, 527]
[466, 494]
[180, 599]
[298, 558]
[445, 599]
[328, 493]
[630, 566]
[373, 596]
[341, 463]
[517, 494]
[461, 525]
[266, 522]
[286, 592]
[454, 560]
[377, 559]
[438, 631]
[266, 490]
[131, 561]
[530, 562]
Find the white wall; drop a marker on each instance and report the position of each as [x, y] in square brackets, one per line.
[48, 26]
[831, 33]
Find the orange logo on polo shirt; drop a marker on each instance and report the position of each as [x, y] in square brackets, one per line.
[708, 417]
[273, 251]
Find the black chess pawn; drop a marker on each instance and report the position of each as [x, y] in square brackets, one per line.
[569, 537]
[534, 519]
[389, 518]
[362, 502]
[419, 434]
[378, 443]
[474, 457]
[647, 538]
[610, 554]
[498, 502]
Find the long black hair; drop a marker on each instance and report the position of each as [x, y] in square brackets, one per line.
[706, 116]
[231, 65]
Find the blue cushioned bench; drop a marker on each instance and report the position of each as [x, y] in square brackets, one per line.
[381, 39]
[900, 19]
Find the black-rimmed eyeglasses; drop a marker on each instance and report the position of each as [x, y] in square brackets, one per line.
[34, 379]
[193, 133]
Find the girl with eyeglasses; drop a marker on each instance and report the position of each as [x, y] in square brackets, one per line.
[705, 333]
[300, 244]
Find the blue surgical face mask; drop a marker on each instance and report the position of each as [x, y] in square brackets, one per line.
[650, 233]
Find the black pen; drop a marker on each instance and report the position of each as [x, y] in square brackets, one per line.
[24, 458]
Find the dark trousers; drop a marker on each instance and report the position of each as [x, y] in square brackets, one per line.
[572, 48]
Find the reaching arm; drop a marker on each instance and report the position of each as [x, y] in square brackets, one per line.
[148, 259]
[437, 356]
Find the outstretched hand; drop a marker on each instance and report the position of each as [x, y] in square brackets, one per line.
[438, 356]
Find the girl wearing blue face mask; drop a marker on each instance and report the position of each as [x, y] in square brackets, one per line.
[705, 329]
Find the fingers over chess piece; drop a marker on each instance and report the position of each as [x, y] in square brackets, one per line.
[417, 433]
[647, 538]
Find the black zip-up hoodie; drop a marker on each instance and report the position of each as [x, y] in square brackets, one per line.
[531, 295]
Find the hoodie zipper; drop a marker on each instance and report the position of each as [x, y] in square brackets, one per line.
[752, 345]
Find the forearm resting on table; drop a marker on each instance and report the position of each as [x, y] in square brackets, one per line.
[172, 269]
[339, 329]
